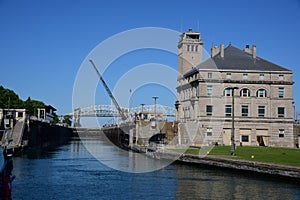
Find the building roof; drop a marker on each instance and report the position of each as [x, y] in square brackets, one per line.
[237, 60]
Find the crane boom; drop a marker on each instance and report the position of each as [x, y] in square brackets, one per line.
[123, 116]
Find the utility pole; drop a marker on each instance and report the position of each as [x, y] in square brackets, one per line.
[155, 97]
[232, 122]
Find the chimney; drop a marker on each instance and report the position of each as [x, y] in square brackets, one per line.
[214, 51]
[247, 49]
[254, 51]
[222, 50]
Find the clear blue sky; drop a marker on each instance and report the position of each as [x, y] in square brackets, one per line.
[43, 43]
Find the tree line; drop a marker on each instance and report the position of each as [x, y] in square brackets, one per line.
[9, 99]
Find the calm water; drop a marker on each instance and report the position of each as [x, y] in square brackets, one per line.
[70, 172]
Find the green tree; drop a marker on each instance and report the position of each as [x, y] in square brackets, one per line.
[32, 105]
[67, 120]
[9, 99]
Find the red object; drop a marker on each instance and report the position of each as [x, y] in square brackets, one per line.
[7, 186]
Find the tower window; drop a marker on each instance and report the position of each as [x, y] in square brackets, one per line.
[188, 47]
[196, 48]
[209, 90]
[209, 75]
[280, 112]
[192, 47]
[281, 92]
[281, 77]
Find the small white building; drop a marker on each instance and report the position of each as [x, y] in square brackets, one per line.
[46, 113]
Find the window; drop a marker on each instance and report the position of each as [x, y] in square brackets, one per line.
[228, 110]
[209, 90]
[280, 111]
[209, 110]
[245, 138]
[261, 93]
[245, 111]
[188, 48]
[192, 47]
[261, 77]
[196, 48]
[227, 92]
[281, 92]
[209, 131]
[228, 75]
[261, 111]
[245, 92]
[245, 76]
[281, 133]
[20, 114]
[209, 75]
[281, 77]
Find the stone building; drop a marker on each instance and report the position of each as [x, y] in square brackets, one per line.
[262, 92]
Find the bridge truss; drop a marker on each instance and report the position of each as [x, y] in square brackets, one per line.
[111, 111]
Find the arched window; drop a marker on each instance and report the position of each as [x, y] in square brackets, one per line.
[261, 93]
[245, 92]
[227, 92]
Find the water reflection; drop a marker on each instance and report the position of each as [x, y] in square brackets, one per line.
[71, 172]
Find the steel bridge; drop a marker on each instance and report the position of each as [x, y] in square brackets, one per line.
[111, 111]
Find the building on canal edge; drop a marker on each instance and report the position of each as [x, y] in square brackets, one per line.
[263, 109]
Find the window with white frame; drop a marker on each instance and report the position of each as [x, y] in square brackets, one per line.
[228, 110]
[245, 92]
[244, 110]
[209, 75]
[261, 111]
[281, 92]
[209, 90]
[227, 92]
[261, 93]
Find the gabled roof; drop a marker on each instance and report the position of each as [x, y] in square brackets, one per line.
[236, 59]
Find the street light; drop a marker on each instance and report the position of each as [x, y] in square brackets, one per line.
[142, 104]
[232, 122]
[155, 97]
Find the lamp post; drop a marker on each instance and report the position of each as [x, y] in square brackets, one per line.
[155, 97]
[232, 122]
[142, 104]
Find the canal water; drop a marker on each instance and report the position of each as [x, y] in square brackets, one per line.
[71, 172]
